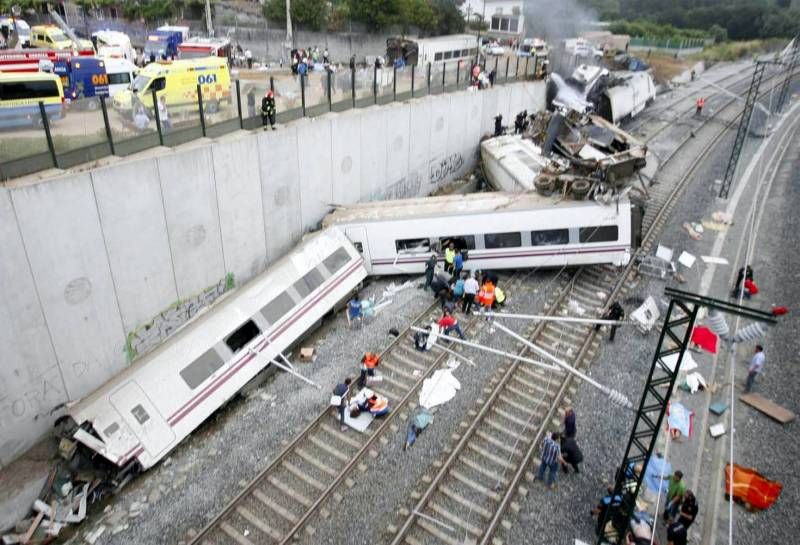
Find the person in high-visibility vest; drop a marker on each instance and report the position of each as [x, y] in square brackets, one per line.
[368, 364]
[376, 405]
[700, 103]
[449, 258]
[499, 297]
[486, 295]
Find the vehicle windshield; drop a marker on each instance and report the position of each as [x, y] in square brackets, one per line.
[58, 36]
[140, 83]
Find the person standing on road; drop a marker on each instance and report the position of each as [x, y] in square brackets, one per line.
[268, 110]
[571, 453]
[163, 114]
[701, 102]
[675, 492]
[551, 457]
[430, 268]
[248, 57]
[343, 392]
[755, 367]
[471, 288]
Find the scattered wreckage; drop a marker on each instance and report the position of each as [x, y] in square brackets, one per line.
[580, 155]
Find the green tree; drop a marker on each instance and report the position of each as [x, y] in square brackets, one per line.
[449, 19]
[718, 33]
[375, 14]
[310, 13]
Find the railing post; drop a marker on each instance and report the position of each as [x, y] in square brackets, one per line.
[200, 109]
[429, 78]
[47, 135]
[272, 85]
[526, 66]
[375, 84]
[353, 85]
[303, 93]
[413, 68]
[458, 74]
[444, 71]
[394, 84]
[158, 118]
[330, 97]
[239, 104]
[495, 67]
[507, 63]
[516, 69]
[109, 136]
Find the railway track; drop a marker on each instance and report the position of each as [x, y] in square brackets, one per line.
[470, 492]
[292, 489]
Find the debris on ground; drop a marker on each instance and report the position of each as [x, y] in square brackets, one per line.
[769, 408]
[693, 233]
[440, 388]
[686, 259]
[646, 315]
[751, 488]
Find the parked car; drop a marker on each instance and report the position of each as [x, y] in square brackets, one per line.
[493, 48]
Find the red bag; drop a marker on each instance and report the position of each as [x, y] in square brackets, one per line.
[750, 286]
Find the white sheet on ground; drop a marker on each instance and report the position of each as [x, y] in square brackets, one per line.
[440, 388]
[362, 422]
[688, 363]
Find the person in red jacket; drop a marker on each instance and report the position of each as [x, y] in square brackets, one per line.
[448, 323]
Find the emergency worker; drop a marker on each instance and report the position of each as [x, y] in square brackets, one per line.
[368, 364]
[268, 110]
[700, 103]
[449, 258]
[376, 405]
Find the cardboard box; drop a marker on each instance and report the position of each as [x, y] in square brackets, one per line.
[308, 353]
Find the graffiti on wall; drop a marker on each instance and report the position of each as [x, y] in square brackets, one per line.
[407, 187]
[147, 336]
[440, 169]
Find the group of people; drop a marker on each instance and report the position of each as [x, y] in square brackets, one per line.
[560, 449]
[304, 60]
[345, 400]
[680, 511]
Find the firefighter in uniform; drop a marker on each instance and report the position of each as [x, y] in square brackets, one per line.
[268, 110]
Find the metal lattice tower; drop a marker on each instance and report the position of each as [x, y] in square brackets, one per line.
[677, 331]
[793, 54]
[744, 127]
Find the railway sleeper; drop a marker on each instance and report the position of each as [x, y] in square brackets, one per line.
[441, 511]
[545, 389]
[341, 436]
[262, 526]
[489, 456]
[310, 459]
[590, 290]
[407, 361]
[575, 335]
[303, 476]
[529, 397]
[395, 382]
[464, 502]
[498, 443]
[390, 367]
[437, 532]
[234, 534]
[474, 485]
[481, 468]
[275, 506]
[511, 417]
[329, 449]
[491, 422]
[289, 491]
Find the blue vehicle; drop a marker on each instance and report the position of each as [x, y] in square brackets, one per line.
[83, 78]
[162, 44]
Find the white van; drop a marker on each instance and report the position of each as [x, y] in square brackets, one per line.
[121, 72]
[113, 44]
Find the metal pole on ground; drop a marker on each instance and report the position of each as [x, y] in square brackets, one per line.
[330, 98]
[413, 69]
[48, 136]
[303, 93]
[200, 109]
[353, 86]
[458, 74]
[526, 66]
[158, 117]
[444, 71]
[239, 104]
[507, 63]
[394, 84]
[375, 84]
[516, 69]
[109, 136]
[429, 78]
[272, 84]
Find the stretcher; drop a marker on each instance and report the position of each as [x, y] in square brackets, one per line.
[750, 488]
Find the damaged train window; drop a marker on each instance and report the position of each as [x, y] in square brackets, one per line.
[549, 237]
[413, 245]
[601, 233]
[502, 240]
[463, 242]
[239, 338]
[140, 414]
[336, 260]
[200, 369]
[311, 281]
[277, 308]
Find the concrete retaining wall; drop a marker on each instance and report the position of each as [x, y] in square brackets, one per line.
[99, 267]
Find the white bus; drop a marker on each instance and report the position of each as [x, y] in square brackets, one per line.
[441, 49]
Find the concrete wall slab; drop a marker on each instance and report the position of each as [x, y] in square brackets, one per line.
[241, 213]
[135, 231]
[490, 110]
[63, 237]
[373, 152]
[398, 117]
[190, 206]
[346, 157]
[419, 145]
[316, 186]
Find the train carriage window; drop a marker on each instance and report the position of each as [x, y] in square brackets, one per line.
[448, 55]
[239, 338]
[336, 260]
[549, 237]
[200, 369]
[277, 308]
[502, 240]
[111, 429]
[461, 242]
[600, 233]
[413, 245]
[437, 56]
[311, 281]
[140, 414]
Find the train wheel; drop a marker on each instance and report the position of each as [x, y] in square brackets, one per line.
[543, 184]
[580, 188]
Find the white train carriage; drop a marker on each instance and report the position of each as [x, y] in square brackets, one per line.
[137, 417]
[630, 94]
[498, 230]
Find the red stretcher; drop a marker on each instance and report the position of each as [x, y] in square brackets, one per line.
[751, 488]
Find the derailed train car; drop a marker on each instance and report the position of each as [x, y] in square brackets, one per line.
[136, 418]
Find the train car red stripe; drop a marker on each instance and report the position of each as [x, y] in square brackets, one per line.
[423, 258]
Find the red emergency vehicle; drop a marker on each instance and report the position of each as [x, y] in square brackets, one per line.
[27, 60]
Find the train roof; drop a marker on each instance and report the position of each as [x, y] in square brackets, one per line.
[474, 203]
[215, 322]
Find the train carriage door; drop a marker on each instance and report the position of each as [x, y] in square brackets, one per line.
[358, 236]
[143, 418]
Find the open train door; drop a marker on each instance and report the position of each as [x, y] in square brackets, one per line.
[142, 417]
[357, 234]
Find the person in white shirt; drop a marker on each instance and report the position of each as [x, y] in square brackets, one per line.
[471, 288]
[163, 115]
[755, 367]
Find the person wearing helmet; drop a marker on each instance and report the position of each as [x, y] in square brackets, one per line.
[268, 110]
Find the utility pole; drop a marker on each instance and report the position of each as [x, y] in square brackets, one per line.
[209, 24]
[289, 30]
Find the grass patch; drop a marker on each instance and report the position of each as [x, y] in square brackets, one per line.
[732, 51]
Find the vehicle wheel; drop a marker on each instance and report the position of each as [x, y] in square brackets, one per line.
[580, 188]
[544, 184]
[212, 107]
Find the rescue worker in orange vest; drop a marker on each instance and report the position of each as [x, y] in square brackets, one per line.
[368, 364]
[700, 103]
[486, 296]
[376, 405]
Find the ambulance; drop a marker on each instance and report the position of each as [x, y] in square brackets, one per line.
[52, 37]
[178, 81]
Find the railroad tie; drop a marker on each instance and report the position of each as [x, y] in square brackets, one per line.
[496, 442]
[336, 453]
[234, 534]
[260, 524]
[480, 468]
[490, 456]
[438, 533]
[524, 395]
[302, 475]
[407, 361]
[501, 428]
[289, 491]
[477, 487]
[450, 517]
[396, 369]
[508, 416]
[341, 436]
[305, 455]
[458, 498]
[274, 506]
[387, 378]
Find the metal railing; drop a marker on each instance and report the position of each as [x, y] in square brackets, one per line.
[88, 129]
